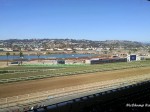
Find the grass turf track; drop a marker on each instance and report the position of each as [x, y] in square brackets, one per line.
[56, 70]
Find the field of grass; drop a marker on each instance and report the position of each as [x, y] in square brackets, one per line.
[32, 72]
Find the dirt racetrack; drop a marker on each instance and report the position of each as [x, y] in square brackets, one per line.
[19, 88]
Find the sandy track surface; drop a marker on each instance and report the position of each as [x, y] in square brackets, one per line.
[19, 88]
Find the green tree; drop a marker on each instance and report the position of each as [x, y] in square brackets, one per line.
[74, 51]
[13, 55]
[38, 55]
[148, 50]
[134, 50]
[7, 54]
[129, 52]
[21, 56]
[48, 53]
[110, 49]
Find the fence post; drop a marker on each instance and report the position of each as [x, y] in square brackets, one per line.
[6, 100]
[28, 98]
[17, 98]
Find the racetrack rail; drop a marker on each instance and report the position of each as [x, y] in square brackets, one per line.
[64, 94]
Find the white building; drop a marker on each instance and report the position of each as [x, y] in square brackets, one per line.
[133, 57]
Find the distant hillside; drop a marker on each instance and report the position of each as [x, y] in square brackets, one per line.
[124, 44]
[73, 43]
[112, 43]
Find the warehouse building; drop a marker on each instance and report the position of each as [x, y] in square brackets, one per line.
[107, 60]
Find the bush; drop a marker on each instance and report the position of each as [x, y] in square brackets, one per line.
[4, 71]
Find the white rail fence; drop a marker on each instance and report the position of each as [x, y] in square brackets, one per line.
[74, 90]
[12, 72]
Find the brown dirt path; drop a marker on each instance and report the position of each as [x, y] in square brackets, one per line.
[19, 88]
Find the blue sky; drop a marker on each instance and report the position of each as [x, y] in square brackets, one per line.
[76, 19]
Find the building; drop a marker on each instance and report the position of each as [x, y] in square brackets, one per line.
[106, 60]
[133, 57]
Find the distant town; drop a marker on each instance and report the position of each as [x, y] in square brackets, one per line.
[48, 46]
